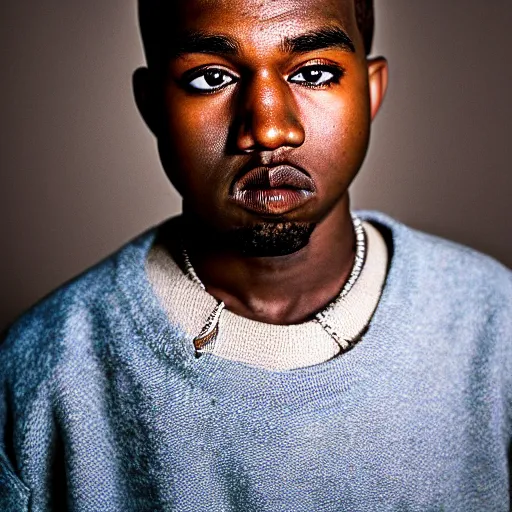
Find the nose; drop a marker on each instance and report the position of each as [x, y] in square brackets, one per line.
[268, 115]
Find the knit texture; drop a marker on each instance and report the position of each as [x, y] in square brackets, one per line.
[104, 407]
[270, 346]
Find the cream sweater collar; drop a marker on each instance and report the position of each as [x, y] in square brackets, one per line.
[274, 347]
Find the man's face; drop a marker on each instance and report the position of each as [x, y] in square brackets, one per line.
[266, 109]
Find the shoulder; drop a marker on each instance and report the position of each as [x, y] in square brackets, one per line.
[66, 319]
[444, 276]
[455, 298]
[440, 259]
[458, 300]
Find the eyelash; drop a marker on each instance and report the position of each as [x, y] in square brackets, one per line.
[337, 73]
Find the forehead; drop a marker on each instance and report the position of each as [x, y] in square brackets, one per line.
[245, 17]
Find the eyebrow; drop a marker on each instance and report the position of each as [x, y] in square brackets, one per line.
[329, 37]
[199, 42]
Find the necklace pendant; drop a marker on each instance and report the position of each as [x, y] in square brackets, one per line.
[210, 330]
[201, 341]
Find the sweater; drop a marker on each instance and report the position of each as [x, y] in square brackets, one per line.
[104, 406]
[189, 306]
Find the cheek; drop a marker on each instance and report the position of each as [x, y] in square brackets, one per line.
[338, 127]
[195, 137]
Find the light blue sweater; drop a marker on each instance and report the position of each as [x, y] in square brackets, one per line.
[103, 405]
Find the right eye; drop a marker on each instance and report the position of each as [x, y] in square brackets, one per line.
[211, 80]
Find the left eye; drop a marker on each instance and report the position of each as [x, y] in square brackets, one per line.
[313, 75]
[212, 80]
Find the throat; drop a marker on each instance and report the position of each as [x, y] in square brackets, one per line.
[280, 305]
[281, 288]
[286, 290]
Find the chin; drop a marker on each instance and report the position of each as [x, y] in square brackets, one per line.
[256, 238]
[270, 239]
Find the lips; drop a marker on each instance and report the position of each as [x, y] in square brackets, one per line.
[273, 190]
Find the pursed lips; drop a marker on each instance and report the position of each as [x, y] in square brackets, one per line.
[273, 190]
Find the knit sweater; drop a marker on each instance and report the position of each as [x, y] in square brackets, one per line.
[104, 406]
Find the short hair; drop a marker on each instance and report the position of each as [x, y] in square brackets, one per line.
[365, 22]
[152, 16]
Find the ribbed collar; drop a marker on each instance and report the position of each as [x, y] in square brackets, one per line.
[269, 346]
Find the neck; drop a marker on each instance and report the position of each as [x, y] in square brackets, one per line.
[280, 289]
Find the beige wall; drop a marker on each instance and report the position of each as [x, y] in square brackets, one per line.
[79, 171]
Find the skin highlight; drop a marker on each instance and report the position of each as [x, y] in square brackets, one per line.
[258, 86]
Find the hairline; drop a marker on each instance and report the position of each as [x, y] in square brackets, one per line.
[152, 41]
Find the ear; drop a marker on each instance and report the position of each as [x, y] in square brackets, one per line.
[146, 97]
[378, 81]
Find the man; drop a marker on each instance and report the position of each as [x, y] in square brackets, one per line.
[268, 350]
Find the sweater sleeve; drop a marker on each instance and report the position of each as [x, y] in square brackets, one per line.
[505, 322]
[25, 411]
[14, 495]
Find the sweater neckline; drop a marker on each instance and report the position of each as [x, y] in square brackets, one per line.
[190, 306]
[223, 377]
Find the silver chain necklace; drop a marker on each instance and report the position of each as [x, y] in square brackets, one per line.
[210, 330]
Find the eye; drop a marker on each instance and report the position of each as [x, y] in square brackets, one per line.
[211, 80]
[315, 76]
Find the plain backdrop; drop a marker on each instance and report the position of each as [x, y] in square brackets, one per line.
[80, 174]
